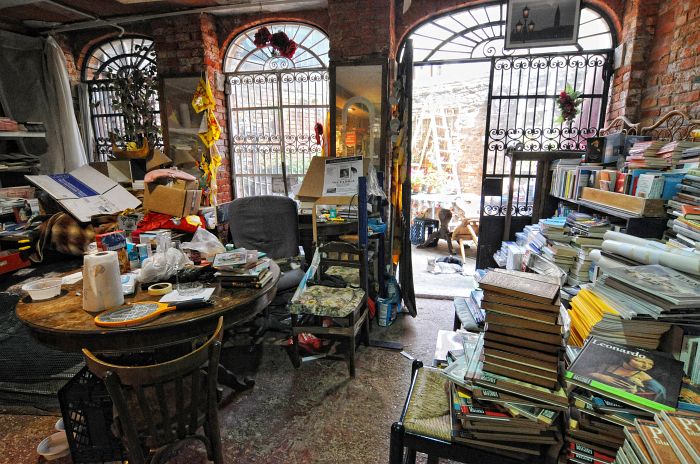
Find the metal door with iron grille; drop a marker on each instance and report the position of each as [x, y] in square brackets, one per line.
[522, 112]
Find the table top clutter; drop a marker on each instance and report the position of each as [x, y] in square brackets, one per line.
[62, 323]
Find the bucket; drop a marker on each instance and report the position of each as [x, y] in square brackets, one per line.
[387, 310]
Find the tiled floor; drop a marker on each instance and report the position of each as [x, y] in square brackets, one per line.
[315, 414]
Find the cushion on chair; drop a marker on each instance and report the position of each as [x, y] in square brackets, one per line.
[351, 275]
[327, 301]
[428, 411]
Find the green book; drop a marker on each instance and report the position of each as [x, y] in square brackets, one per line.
[648, 380]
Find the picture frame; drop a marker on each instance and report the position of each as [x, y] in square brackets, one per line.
[180, 123]
[541, 23]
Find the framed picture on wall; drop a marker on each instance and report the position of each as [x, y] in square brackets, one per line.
[542, 23]
[180, 123]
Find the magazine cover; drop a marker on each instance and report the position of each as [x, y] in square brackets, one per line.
[650, 379]
[659, 280]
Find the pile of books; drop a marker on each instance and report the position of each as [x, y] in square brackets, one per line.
[242, 268]
[561, 254]
[506, 395]
[690, 158]
[669, 437]
[613, 387]
[645, 155]
[673, 152]
[684, 209]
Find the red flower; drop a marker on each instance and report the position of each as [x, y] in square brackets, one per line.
[289, 50]
[262, 37]
[279, 41]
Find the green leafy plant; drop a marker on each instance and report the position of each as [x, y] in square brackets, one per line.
[134, 95]
[569, 100]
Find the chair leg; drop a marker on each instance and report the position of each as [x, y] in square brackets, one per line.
[365, 328]
[351, 347]
[396, 444]
[296, 357]
[410, 456]
[461, 250]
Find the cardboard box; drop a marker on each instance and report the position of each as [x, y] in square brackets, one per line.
[177, 199]
[117, 170]
[311, 189]
[85, 192]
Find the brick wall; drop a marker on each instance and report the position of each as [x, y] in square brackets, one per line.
[360, 28]
[673, 62]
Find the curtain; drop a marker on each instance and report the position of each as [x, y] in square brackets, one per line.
[85, 121]
[70, 152]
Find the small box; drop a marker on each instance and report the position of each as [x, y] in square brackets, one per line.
[178, 199]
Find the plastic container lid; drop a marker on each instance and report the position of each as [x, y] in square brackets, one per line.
[43, 289]
[54, 446]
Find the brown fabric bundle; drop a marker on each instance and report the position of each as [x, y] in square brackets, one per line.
[64, 234]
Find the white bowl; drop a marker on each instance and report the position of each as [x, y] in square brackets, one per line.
[54, 446]
[43, 289]
[60, 426]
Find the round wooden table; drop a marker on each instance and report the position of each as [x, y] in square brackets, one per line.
[61, 322]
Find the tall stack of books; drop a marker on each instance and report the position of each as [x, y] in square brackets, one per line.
[614, 386]
[684, 209]
[242, 268]
[645, 155]
[690, 158]
[561, 254]
[672, 152]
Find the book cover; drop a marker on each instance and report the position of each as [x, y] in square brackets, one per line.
[689, 398]
[530, 354]
[686, 427]
[649, 380]
[515, 371]
[634, 438]
[515, 321]
[521, 303]
[521, 285]
[520, 388]
[535, 345]
[656, 443]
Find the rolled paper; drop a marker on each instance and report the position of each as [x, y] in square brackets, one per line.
[102, 284]
[681, 262]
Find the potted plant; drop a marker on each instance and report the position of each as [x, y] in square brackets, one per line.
[417, 180]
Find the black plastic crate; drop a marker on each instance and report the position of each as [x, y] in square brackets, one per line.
[87, 414]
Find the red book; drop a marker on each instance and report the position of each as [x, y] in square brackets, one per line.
[691, 212]
[620, 182]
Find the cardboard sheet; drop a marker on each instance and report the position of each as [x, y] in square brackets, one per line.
[86, 192]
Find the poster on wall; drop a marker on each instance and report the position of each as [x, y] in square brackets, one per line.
[542, 23]
[341, 176]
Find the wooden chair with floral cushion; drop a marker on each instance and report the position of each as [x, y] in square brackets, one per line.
[333, 312]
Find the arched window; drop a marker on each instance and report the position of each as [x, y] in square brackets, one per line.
[274, 103]
[120, 58]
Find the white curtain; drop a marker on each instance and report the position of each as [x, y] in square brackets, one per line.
[85, 121]
[69, 152]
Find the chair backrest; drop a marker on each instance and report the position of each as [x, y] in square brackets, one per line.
[160, 404]
[265, 223]
[343, 254]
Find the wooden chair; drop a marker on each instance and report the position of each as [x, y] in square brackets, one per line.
[159, 406]
[466, 231]
[346, 307]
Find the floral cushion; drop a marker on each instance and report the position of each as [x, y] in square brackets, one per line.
[351, 275]
[327, 301]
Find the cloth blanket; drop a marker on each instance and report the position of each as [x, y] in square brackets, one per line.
[64, 234]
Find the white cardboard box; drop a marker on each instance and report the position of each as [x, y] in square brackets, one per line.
[86, 192]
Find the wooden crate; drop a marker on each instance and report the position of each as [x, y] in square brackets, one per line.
[644, 207]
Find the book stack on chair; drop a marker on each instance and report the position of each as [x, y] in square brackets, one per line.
[506, 396]
[242, 268]
[616, 391]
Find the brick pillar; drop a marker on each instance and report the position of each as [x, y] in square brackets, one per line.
[360, 28]
[639, 25]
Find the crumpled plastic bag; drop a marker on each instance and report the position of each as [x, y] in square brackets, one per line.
[373, 187]
[205, 242]
[161, 266]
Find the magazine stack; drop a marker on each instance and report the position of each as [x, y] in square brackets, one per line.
[242, 268]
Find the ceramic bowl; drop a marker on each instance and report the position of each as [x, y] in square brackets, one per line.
[54, 446]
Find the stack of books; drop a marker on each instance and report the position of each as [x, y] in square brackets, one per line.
[585, 225]
[669, 437]
[554, 229]
[645, 155]
[242, 268]
[503, 415]
[614, 386]
[684, 209]
[690, 158]
[561, 254]
[524, 336]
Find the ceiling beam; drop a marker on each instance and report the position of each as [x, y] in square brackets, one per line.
[239, 7]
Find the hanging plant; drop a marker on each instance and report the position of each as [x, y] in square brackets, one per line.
[569, 101]
[134, 94]
[279, 41]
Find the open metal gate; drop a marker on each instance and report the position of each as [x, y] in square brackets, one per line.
[522, 112]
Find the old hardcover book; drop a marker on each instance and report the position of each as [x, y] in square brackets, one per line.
[634, 438]
[550, 374]
[656, 443]
[582, 450]
[505, 399]
[521, 285]
[499, 298]
[630, 454]
[648, 380]
[520, 323]
[545, 317]
[523, 333]
[524, 360]
[540, 415]
[585, 405]
[520, 388]
[535, 345]
[525, 352]
[686, 426]
[518, 374]
[674, 440]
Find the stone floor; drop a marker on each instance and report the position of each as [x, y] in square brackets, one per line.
[315, 414]
[442, 286]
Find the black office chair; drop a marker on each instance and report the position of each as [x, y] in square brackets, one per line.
[270, 224]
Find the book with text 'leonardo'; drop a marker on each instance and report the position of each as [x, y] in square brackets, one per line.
[648, 380]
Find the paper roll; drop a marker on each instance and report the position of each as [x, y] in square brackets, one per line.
[683, 263]
[102, 285]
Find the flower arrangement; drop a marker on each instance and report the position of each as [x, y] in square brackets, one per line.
[569, 101]
[279, 41]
